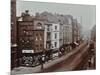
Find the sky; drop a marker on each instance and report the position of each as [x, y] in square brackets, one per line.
[85, 14]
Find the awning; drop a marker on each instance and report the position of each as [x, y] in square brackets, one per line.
[76, 43]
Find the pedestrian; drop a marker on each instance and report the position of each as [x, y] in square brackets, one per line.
[41, 62]
[89, 62]
[91, 45]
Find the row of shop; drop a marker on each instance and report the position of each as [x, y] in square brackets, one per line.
[35, 59]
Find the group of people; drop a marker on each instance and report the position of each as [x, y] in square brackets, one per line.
[91, 54]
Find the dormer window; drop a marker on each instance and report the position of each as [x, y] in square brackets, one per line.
[36, 39]
[55, 27]
[40, 38]
[39, 26]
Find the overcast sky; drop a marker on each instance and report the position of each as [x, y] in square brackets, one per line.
[87, 12]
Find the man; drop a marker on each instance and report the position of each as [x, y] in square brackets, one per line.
[91, 46]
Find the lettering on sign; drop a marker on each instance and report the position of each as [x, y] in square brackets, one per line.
[27, 51]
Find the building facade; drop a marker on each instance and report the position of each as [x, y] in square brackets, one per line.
[52, 36]
[67, 30]
[93, 33]
[76, 30]
[64, 32]
[61, 35]
[30, 37]
[25, 37]
[38, 35]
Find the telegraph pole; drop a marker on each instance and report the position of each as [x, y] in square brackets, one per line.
[81, 28]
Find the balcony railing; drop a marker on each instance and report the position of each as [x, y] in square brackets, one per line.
[49, 29]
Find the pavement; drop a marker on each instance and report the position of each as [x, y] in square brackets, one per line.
[37, 69]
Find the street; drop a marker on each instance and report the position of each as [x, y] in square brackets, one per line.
[70, 63]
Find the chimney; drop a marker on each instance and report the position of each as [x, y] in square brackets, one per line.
[27, 12]
[22, 14]
[37, 15]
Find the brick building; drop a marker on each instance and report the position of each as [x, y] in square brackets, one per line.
[30, 36]
[38, 34]
[25, 35]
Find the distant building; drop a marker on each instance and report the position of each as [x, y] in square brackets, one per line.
[76, 31]
[93, 33]
[61, 35]
[63, 23]
[79, 30]
[67, 30]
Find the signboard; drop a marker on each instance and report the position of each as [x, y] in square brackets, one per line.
[26, 23]
[27, 51]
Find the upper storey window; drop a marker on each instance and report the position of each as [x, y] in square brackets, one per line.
[39, 25]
